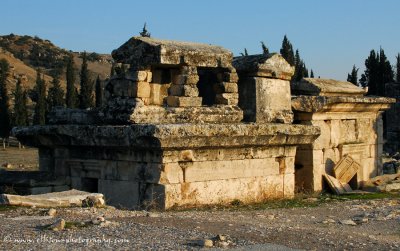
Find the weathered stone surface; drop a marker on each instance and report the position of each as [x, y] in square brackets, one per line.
[158, 92]
[167, 135]
[60, 199]
[227, 77]
[226, 87]
[272, 66]
[340, 104]
[267, 100]
[227, 98]
[144, 51]
[179, 101]
[185, 79]
[326, 87]
[184, 90]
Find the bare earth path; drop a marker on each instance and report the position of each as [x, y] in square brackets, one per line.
[323, 227]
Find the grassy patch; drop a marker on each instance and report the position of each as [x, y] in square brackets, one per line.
[6, 208]
[300, 201]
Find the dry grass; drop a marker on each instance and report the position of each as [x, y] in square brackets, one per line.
[20, 159]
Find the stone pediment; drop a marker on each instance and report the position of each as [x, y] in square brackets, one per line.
[271, 65]
[144, 51]
[326, 87]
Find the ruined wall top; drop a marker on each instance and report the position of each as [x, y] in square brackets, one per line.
[326, 87]
[142, 52]
[271, 65]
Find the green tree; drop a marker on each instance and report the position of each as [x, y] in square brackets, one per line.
[71, 99]
[99, 92]
[86, 92]
[245, 53]
[311, 74]
[287, 51]
[144, 32]
[5, 123]
[112, 71]
[398, 68]
[378, 72]
[20, 105]
[264, 48]
[55, 95]
[353, 76]
[39, 118]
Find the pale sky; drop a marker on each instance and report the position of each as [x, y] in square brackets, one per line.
[330, 35]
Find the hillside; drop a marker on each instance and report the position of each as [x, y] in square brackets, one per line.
[25, 54]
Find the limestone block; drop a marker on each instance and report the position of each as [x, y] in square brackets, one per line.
[225, 87]
[184, 90]
[157, 93]
[120, 193]
[305, 157]
[323, 141]
[220, 170]
[368, 170]
[347, 131]
[289, 185]
[265, 100]
[141, 90]
[335, 133]
[169, 173]
[226, 154]
[246, 190]
[139, 76]
[331, 157]
[365, 131]
[227, 77]
[176, 101]
[227, 99]
[184, 79]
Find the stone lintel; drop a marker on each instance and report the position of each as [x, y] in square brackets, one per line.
[340, 104]
[170, 136]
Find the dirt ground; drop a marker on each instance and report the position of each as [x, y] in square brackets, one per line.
[322, 223]
[370, 222]
[13, 158]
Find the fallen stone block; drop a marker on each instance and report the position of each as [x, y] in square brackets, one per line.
[336, 185]
[345, 169]
[61, 199]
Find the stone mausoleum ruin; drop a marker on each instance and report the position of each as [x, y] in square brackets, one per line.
[188, 124]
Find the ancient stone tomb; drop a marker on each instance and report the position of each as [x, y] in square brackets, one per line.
[171, 132]
[188, 124]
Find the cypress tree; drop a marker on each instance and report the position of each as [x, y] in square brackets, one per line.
[398, 68]
[311, 74]
[385, 72]
[378, 72]
[264, 48]
[144, 32]
[86, 92]
[353, 76]
[55, 96]
[5, 123]
[20, 106]
[287, 51]
[71, 95]
[39, 118]
[112, 71]
[99, 92]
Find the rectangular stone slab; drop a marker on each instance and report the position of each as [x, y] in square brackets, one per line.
[60, 199]
[337, 186]
[345, 169]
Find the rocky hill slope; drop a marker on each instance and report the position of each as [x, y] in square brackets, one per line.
[26, 54]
